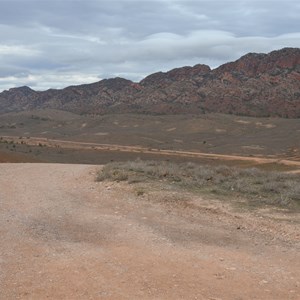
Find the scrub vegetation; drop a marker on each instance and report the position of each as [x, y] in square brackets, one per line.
[255, 186]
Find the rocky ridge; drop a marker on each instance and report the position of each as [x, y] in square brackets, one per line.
[254, 85]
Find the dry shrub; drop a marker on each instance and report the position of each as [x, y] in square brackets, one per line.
[261, 187]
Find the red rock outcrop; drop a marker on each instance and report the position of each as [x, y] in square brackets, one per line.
[254, 85]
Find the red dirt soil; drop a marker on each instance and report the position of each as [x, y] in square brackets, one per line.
[65, 236]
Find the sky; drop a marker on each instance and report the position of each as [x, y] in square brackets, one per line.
[56, 43]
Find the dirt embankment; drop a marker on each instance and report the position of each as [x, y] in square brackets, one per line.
[64, 236]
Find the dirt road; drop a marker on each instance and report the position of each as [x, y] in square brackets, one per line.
[64, 236]
[66, 144]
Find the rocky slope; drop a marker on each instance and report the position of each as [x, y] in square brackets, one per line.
[254, 85]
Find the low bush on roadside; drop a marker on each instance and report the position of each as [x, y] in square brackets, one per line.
[260, 187]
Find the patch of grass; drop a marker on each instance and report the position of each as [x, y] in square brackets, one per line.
[140, 191]
[259, 187]
[113, 173]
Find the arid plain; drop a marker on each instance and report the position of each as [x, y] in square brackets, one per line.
[66, 235]
[274, 138]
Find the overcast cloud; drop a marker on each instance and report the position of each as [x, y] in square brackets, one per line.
[55, 43]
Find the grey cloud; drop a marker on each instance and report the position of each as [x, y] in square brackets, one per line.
[56, 43]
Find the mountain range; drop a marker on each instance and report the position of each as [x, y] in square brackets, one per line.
[254, 85]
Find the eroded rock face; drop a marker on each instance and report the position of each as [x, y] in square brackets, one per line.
[254, 85]
[260, 84]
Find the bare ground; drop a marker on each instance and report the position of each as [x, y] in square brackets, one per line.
[292, 162]
[65, 236]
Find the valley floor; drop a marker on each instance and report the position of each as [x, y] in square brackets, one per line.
[65, 236]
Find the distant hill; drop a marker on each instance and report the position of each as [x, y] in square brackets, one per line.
[254, 85]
